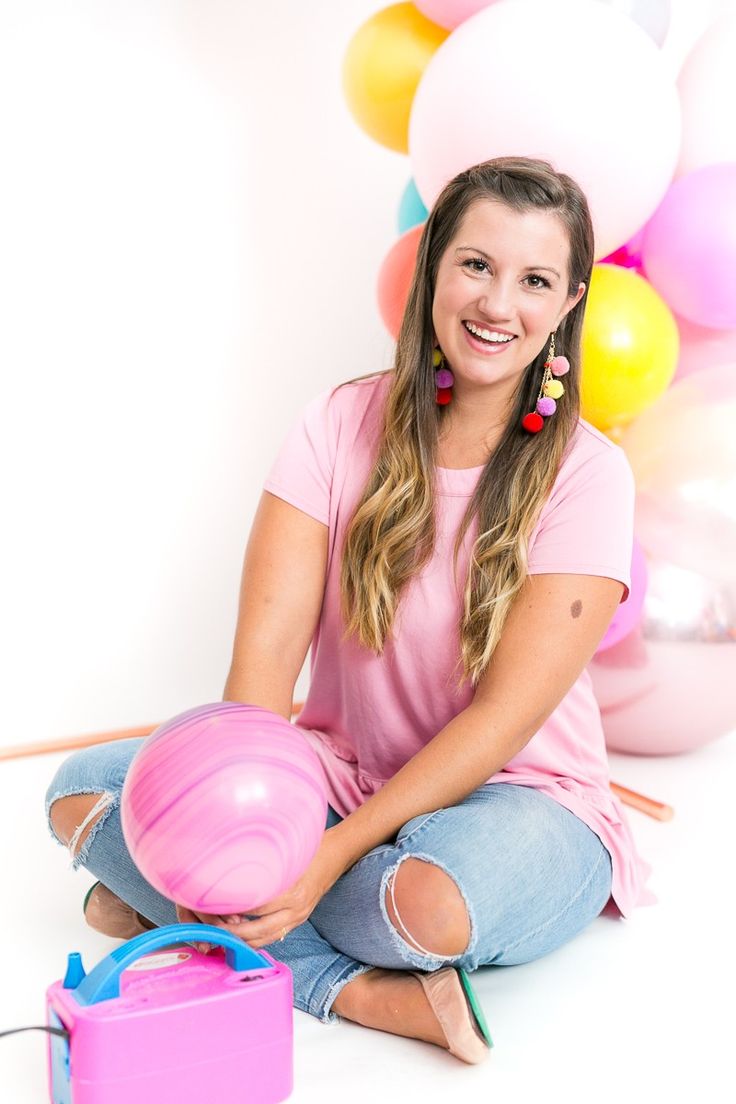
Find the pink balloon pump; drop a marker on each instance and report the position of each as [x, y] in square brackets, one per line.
[157, 1021]
[224, 807]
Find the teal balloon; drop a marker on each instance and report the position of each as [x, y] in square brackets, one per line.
[411, 209]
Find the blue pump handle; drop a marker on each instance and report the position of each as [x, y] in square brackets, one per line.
[103, 983]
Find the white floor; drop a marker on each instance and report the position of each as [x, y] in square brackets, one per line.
[637, 1011]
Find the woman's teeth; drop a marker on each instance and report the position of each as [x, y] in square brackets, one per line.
[492, 336]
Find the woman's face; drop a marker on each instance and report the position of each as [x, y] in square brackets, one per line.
[501, 291]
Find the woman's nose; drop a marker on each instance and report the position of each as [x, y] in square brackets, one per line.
[497, 302]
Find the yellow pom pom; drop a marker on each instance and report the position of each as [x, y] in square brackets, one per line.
[436, 358]
[554, 389]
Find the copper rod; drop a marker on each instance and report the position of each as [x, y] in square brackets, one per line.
[644, 804]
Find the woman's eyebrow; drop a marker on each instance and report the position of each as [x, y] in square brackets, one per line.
[488, 257]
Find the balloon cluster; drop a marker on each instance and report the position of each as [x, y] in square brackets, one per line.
[452, 83]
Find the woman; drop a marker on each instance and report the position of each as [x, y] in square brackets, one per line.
[400, 534]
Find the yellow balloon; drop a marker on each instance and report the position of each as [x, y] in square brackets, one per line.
[630, 345]
[383, 64]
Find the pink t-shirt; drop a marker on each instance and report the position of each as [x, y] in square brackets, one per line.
[365, 715]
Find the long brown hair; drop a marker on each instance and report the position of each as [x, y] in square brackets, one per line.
[391, 534]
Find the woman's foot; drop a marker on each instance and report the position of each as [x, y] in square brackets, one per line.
[107, 913]
[398, 1002]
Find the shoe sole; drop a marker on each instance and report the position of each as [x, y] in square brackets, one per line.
[89, 893]
[475, 1006]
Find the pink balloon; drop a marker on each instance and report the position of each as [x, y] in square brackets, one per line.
[702, 348]
[627, 614]
[689, 247]
[483, 96]
[223, 808]
[450, 13]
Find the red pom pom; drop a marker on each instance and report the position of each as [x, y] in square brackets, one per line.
[532, 422]
[444, 394]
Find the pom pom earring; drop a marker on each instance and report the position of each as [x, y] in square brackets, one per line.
[443, 378]
[550, 390]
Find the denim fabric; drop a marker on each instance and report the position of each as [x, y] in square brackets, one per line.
[532, 875]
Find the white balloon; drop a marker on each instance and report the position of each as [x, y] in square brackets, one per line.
[574, 82]
[707, 86]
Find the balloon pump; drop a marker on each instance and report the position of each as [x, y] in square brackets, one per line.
[156, 1020]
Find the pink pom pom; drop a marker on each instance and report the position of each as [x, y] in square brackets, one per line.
[559, 366]
[546, 406]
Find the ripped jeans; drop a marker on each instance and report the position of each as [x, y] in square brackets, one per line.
[532, 875]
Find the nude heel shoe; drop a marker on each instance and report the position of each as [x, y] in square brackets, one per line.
[458, 1009]
[107, 913]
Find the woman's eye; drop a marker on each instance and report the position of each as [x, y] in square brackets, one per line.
[542, 281]
[475, 264]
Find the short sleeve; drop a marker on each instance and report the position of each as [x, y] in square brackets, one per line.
[302, 471]
[587, 525]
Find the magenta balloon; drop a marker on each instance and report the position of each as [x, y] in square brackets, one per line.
[689, 246]
[627, 616]
[628, 255]
[223, 808]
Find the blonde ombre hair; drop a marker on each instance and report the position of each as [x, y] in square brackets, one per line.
[391, 534]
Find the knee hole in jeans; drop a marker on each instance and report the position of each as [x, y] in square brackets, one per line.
[433, 906]
[73, 817]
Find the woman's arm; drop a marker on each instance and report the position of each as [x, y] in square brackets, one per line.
[281, 594]
[550, 635]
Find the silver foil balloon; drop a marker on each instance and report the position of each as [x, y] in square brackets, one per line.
[670, 686]
[652, 15]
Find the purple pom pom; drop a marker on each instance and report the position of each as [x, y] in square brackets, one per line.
[546, 406]
[444, 377]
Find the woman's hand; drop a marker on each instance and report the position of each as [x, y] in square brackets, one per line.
[276, 918]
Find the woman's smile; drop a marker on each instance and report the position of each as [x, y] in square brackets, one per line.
[485, 340]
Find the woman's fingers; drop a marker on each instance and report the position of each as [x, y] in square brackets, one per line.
[186, 916]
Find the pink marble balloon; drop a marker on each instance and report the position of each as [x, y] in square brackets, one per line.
[224, 807]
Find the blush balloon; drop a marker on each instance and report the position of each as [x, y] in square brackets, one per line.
[702, 347]
[483, 96]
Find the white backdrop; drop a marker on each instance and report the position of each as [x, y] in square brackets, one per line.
[191, 225]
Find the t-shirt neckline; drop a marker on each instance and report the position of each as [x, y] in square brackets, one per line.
[457, 481]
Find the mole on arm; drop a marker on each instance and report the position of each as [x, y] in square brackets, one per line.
[576, 608]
